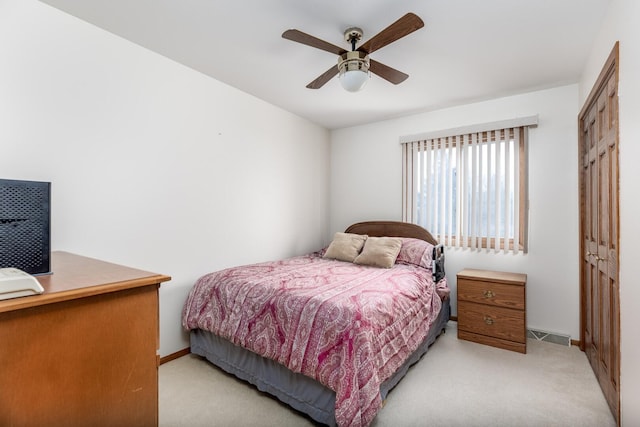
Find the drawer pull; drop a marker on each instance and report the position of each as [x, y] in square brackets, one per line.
[488, 320]
[488, 294]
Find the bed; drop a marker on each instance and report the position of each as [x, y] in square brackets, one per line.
[328, 336]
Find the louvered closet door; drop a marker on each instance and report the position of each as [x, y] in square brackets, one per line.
[599, 227]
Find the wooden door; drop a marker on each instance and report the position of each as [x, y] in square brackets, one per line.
[600, 305]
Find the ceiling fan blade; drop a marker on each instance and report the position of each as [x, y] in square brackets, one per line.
[390, 74]
[402, 27]
[323, 78]
[304, 38]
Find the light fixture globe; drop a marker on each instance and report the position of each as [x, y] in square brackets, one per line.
[353, 70]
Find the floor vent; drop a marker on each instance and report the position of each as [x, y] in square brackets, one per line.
[549, 337]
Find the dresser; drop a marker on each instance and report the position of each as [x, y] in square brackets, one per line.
[85, 352]
[492, 308]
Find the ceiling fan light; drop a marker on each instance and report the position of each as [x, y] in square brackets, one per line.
[354, 70]
[353, 81]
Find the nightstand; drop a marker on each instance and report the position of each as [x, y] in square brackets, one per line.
[492, 308]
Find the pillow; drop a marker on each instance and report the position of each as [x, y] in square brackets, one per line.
[379, 252]
[416, 252]
[345, 246]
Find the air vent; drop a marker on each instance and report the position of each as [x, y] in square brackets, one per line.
[549, 337]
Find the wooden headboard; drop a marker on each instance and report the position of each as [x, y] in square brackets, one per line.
[391, 229]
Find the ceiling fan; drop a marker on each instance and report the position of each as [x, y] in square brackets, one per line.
[354, 66]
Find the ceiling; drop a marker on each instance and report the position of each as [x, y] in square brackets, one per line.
[468, 50]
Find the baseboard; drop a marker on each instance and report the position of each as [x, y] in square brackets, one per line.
[454, 318]
[173, 356]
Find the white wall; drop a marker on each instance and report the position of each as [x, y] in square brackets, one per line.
[366, 184]
[152, 164]
[621, 24]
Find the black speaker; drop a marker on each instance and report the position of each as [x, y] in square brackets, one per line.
[25, 214]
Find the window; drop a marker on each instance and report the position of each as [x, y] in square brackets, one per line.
[468, 186]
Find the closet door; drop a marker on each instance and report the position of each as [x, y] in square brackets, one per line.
[600, 305]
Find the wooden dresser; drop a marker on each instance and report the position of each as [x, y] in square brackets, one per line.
[85, 352]
[492, 308]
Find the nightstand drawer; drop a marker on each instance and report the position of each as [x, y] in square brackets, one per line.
[498, 322]
[496, 294]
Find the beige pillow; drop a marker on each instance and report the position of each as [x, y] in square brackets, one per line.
[345, 246]
[379, 252]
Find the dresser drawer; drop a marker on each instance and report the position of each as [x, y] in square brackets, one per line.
[492, 321]
[497, 294]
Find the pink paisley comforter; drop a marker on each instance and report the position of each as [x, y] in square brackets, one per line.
[347, 326]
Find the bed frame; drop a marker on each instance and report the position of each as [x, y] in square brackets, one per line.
[299, 391]
[391, 229]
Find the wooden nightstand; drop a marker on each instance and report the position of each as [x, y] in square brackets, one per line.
[492, 308]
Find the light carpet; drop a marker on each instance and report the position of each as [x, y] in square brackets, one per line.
[457, 383]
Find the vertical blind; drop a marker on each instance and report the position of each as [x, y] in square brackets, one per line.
[465, 187]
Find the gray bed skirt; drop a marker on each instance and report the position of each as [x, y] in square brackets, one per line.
[296, 390]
